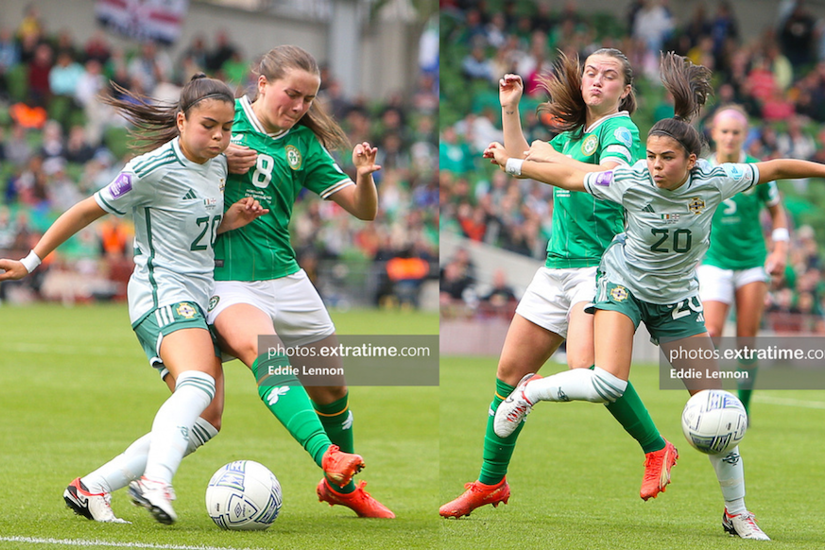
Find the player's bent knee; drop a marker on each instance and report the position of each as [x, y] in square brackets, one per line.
[607, 387]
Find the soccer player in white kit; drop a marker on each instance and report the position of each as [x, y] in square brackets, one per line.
[175, 195]
[648, 272]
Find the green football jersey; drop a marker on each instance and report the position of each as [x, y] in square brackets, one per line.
[736, 239]
[583, 226]
[668, 232]
[287, 163]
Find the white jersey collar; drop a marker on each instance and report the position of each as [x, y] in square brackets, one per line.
[606, 117]
[246, 105]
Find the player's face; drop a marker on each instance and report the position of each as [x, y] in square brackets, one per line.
[603, 85]
[668, 162]
[205, 134]
[281, 103]
[729, 135]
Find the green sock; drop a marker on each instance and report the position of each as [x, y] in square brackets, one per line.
[287, 399]
[337, 421]
[745, 385]
[634, 418]
[497, 451]
[336, 418]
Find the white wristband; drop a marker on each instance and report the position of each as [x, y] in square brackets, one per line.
[31, 261]
[513, 166]
[781, 234]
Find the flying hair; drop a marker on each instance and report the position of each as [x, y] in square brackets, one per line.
[690, 87]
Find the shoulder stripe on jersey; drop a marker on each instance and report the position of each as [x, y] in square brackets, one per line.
[150, 159]
[109, 206]
[148, 169]
[255, 122]
[334, 188]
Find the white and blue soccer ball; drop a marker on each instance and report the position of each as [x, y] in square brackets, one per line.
[243, 495]
[714, 421]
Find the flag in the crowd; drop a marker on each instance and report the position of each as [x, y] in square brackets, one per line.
[159, 20]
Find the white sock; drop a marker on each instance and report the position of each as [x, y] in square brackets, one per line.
[731, 475]
[596, 386]
[130, 465]
[173, 423]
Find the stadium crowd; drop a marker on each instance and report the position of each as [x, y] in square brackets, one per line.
[778, 77]
[59, 144]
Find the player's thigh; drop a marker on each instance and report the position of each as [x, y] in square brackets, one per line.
[190, 349]
[750, 303]
[527, 347]
[580, 353]
[238, 327]
[613, 350]
[716, 290]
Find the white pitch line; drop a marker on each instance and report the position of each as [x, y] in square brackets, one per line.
[788, 402]
[92, 543]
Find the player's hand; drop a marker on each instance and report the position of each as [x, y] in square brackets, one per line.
[241, 213]
[497, 154]
[775, 265]
[510, 88]
[541, 151]
[240, 159]
[363, 157]
[12, 270]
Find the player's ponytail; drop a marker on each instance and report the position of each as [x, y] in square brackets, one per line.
[155, 122]
[690, 87]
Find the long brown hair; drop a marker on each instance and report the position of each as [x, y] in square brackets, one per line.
[156, 122]
[564, 85]
[690, 86]
[274, 65]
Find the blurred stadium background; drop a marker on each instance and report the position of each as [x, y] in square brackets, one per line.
[58, 144]
[768, 56]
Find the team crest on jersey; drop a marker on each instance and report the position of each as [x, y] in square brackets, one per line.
[186, 310]
[619, 293]
[590, 144]
[293, 157]
[696, 205]
[213, 301]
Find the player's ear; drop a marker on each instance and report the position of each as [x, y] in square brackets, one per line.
[180, 119]
[691, 161]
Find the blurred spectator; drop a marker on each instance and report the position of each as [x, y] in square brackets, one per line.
[476, 66]
[454, 153]
[39, 90]
[97, 48]
[797, 36]
[149, 67]
[78, 150]
[221, 53]
[653, 24]
[500, 299]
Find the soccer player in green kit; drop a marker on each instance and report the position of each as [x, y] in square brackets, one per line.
[593, 105]
[280, 140]
[737, 267]
[648, 273]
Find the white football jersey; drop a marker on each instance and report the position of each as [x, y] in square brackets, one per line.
[177, 206]
[668, 232]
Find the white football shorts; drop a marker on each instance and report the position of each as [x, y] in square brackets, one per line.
[720, 285]
[551, 294]
[298, 314]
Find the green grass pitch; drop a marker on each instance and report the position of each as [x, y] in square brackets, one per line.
[75, 390]
[575, 474]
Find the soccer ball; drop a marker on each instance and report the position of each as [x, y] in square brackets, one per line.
[243, 495]
[714, 421]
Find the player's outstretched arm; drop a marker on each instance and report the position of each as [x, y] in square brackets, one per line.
[69, 223]
[789, 169]
[557, 174]
[361, 200]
